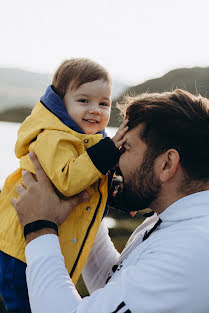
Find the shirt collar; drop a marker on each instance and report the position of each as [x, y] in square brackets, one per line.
[194, 205]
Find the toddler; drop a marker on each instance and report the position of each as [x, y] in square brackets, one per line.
[65, 130]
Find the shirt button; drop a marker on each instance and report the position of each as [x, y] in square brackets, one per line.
[86, 140]
[74, 240]
[88, 208]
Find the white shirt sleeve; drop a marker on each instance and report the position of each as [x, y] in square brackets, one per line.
[162, 275]
[50, 288]
[102, 257]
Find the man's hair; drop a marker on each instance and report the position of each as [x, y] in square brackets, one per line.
[177, 120]
[77, 71]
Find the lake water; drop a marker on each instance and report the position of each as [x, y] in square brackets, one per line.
[8, 161]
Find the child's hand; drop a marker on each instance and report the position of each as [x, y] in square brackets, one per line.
[118, 138]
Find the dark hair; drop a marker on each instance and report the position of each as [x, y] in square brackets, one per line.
[176, 120]
[78, 71]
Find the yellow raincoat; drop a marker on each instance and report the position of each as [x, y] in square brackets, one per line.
[62, 154]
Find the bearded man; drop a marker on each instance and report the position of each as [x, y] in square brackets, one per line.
[164, 266]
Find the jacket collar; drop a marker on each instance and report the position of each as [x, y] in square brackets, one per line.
[192, 206]
[52, 101]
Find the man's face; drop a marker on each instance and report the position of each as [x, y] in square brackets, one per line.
[141, 185]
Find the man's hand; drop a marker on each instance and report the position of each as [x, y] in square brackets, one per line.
[39, 201]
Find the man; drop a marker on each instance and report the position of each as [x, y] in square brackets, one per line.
[164, 267]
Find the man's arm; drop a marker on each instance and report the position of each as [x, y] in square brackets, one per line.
[153, 281]
[39, 233]
[50, 287]
[165, 273]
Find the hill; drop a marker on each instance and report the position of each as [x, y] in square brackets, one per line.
[19, 90]
[194, 80]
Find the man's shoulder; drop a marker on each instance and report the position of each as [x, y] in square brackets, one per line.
[183, 239]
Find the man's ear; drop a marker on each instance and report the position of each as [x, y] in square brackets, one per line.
[168, 163]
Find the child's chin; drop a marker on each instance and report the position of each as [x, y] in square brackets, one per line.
[90, 131]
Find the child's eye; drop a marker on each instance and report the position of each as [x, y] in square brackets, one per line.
[83, 100]
[104, 104]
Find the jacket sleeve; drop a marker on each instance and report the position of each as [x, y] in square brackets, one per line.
[70, 168]
[104, 155]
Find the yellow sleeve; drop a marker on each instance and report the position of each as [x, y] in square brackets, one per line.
[65, 161]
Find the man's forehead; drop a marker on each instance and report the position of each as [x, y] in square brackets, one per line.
[133, 135]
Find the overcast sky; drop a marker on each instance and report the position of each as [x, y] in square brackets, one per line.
[134, 39]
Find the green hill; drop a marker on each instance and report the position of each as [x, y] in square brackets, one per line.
[194, 80]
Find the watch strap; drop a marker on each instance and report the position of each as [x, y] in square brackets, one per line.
[39, 224]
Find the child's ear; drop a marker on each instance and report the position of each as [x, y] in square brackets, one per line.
[167, 165]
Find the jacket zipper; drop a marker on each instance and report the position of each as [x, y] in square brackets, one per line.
[88, 230]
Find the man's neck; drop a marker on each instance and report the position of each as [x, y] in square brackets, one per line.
[162, 203]
[169, 197]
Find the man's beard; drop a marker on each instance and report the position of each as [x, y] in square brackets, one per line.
[141, 187]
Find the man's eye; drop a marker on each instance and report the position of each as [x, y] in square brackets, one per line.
[83, 100]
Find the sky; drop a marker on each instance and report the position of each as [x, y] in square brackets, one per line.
[134, 39]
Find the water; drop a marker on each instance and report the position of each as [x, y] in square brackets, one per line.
[8, 161]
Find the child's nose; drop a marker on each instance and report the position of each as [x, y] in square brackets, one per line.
[95, 110]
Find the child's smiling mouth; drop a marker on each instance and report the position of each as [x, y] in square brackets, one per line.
[90, 121]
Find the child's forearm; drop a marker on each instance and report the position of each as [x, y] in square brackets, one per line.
[104, 155]
[73, 175]
[70, 170]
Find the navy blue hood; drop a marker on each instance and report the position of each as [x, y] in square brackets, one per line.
[52, 101]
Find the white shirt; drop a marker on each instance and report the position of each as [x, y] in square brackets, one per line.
[167, 273]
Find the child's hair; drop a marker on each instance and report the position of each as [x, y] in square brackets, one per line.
[78, 71]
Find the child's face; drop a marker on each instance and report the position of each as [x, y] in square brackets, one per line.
[89, 105]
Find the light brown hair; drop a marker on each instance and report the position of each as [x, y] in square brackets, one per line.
[78, 71]
[177, 120]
